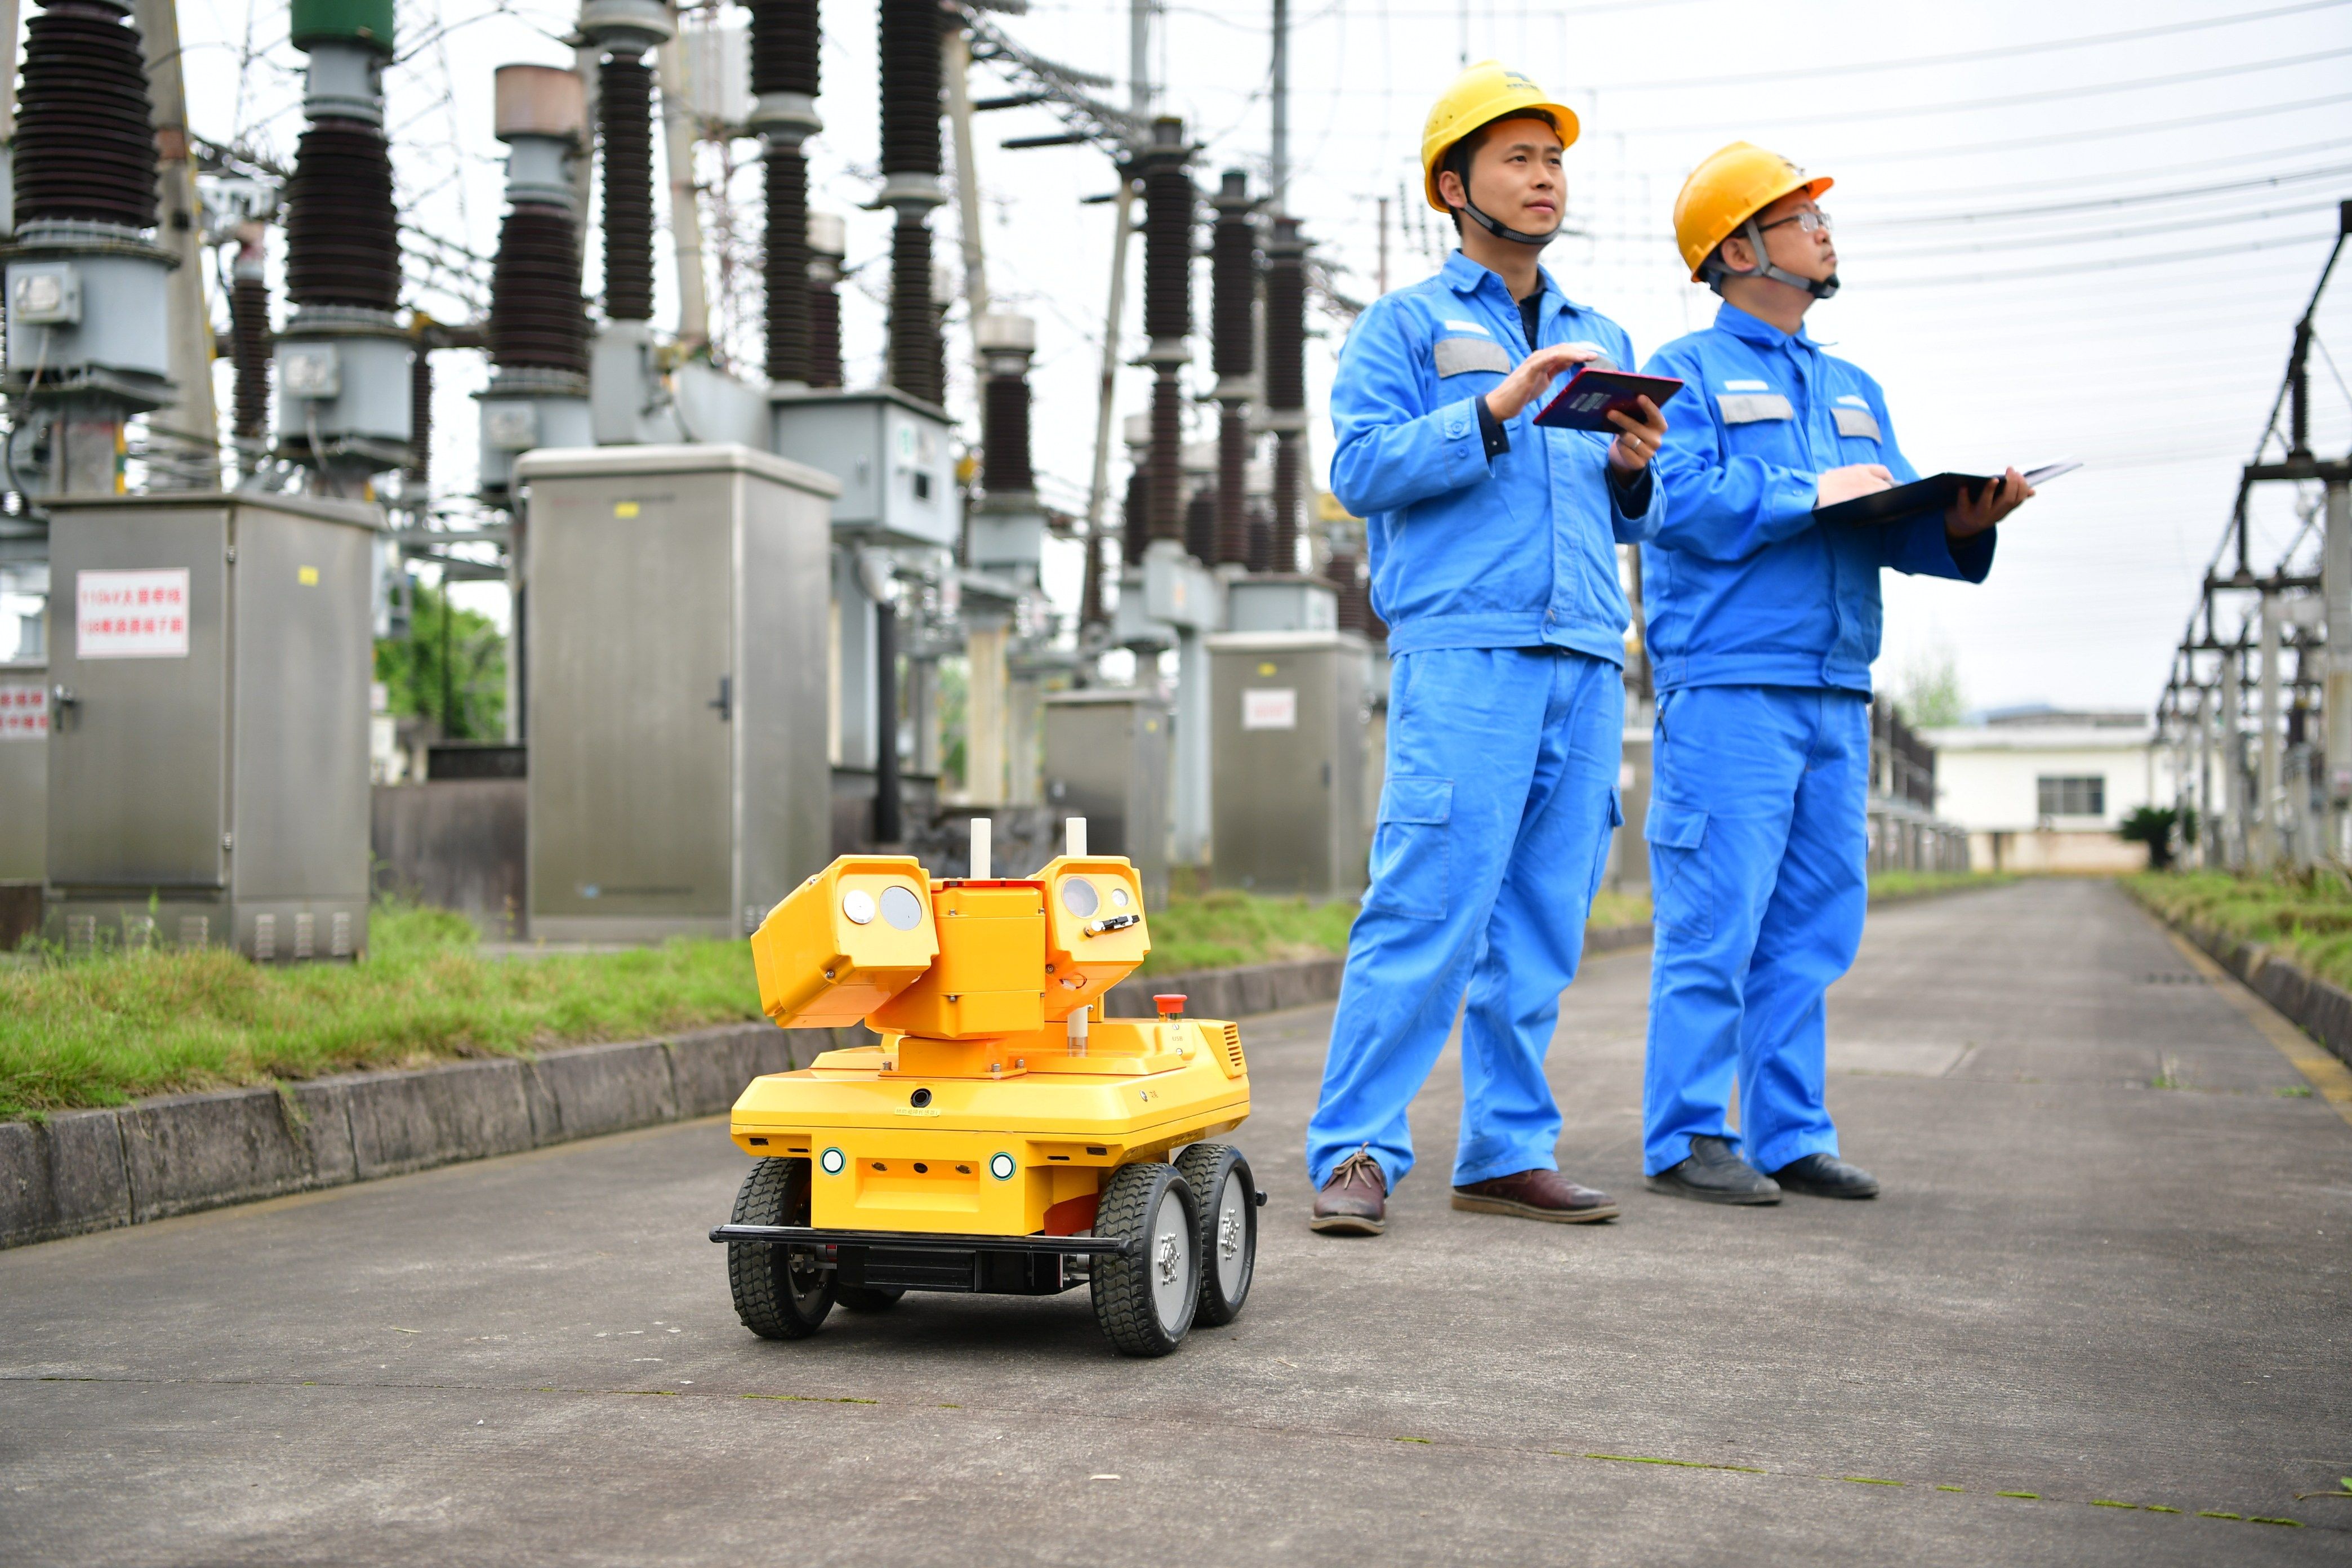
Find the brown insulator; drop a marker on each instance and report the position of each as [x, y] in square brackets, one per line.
[342, 238]
[420, 419]
[1167, 249]
[248, 310]
[1090, 585]
[1261, 540]
[1136, 513]
[1282, 539]
[1201, 523]
[1005, 435]
[624, 119]
[825, 337]
[786, 266]
[1165, 498]
[784, 46]
[1233, 280]
[911, 87]
[85, 147]
[1286, 318]
[1340, 571]
[1232, 541]
[917, 364]
[535, 314]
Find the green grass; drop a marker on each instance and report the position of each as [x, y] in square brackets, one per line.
[101, 1031]
[1909, 884]
[105, 1030]
[2308, 919]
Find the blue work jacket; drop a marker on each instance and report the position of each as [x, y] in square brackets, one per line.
[1517, 550]
[1742, 587]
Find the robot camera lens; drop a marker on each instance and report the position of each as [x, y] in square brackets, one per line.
[857, 906]
[900, 908]
[1078, 896]
[920, 1098]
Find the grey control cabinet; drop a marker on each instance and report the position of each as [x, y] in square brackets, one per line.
[208, 724]
[893, 454]
[23, 771]
[676, 666]
[1106, 759]
[1287, 746]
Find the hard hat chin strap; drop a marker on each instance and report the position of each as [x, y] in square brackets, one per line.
[1502, 231]
[1819, 289]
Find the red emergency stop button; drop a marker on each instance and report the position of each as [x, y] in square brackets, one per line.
[1171, 1005]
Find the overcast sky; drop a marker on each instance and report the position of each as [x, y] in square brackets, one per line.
[2066, 230]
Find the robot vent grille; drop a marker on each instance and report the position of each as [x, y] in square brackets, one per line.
[1229, 1042]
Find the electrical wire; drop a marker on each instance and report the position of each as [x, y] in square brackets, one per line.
[2103, 132]
[2097, 204]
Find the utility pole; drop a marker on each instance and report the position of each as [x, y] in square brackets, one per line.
[2234, 756]
[1138, 102]
[955, 63]
[1279, 199]
[189, 425]
[2336, 700]
[685, 210]
[1384, 244]
[7, 117]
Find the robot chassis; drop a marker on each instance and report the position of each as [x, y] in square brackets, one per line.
[1003, 1137]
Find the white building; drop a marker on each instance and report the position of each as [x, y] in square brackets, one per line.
[2043, 790]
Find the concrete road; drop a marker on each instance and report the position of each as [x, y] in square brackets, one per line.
[2080, 1288]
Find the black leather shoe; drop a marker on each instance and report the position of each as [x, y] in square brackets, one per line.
[1827, 1176]
[1713, 1174]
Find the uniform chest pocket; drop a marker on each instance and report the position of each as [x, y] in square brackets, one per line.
[1759, 425]
[1463, 356]
[1857, 422]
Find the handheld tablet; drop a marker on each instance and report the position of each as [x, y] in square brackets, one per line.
[1592, 395]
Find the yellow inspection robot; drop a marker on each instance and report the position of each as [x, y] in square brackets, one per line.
[1003, 1137]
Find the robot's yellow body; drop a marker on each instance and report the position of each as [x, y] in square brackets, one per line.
[1000, 1135]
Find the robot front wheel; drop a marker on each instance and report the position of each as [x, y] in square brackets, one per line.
[780, 1292]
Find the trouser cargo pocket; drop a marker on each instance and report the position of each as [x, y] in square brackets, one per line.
[1682, 884]
[1410, 861]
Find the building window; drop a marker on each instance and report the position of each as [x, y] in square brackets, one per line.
[2071, 795]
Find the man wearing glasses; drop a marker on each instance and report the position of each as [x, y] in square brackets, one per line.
[1763, 624]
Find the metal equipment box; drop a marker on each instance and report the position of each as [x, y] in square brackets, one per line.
[892, 453]
[676, 664]
[1287, 755]
[23, 771]
[1106, 759]
[1281, 602]
[208, 724]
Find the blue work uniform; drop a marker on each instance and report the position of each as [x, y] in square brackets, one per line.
[1762, 627]
[1494, 561]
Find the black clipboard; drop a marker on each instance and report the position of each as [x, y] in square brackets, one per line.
[1933, 493]
[1592, 395]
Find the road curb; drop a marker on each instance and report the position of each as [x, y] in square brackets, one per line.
[2320, 1008]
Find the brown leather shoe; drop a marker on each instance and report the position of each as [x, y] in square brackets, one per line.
[1354, 1201]
[1537, 1195]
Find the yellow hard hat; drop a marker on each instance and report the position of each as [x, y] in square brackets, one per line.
[1731, 185]
[1479, 96]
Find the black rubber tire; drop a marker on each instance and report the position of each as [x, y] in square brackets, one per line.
[1209, 1169]
[1126, 1304]
[780, 1291]
[868, 1298]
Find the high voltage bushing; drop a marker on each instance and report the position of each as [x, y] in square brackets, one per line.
[785, 79]
[1006, 342]
[1169, 201]
[1286, 384]
[1233, 280]
[538, 333]
[249, 304]
[86, 317]
[828, 244]
[624, 127]
[909, 39]
[1135, 512]
[84, 147]
[343, 359]
[1201, 523]
[420, 420]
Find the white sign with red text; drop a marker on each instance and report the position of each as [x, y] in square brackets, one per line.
[24, 711]
[1270, 708]
[132, 615]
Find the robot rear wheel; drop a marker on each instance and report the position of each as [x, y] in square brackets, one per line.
[780, 1292]
[1145, 1298]
[1220, 1178]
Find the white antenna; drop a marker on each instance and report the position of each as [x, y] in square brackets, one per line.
[1074, 838]
[981, 847]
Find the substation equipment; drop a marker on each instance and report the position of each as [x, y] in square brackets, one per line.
[1292, 712]
[207, 778]
[676, 659]
[1106, 755]
[1001, 1136]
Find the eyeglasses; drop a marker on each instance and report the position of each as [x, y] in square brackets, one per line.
[1812, 220]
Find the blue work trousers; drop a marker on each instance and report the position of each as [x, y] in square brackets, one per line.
[1758, 853]
[1494, 830]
